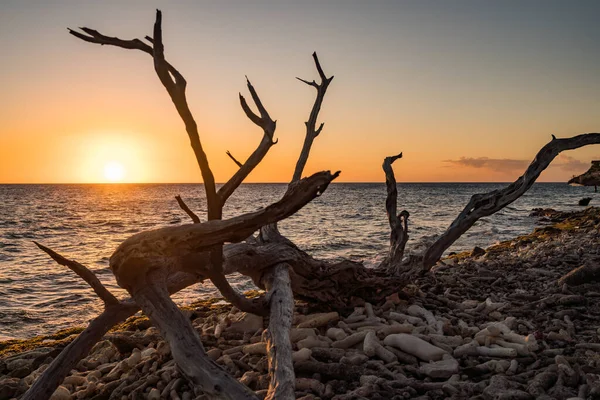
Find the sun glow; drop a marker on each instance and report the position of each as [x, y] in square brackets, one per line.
[114, 171]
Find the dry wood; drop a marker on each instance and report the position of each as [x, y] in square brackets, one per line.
[84, 273]
[268, 126]
[484, 204]
[239, 164]
[151, 294]
[279, 346]
[176, 248]
[311, 130]
[398, 222]
[187, 210]
[175, 84]
[79, 348]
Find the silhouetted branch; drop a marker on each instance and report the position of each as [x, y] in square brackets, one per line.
[311, 131]
[239, 164]
[84, 273]
[484, 204]
[398, 222]
[187, 210]
[175, 84]
[268, 126]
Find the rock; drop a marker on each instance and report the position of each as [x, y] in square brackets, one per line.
[370, 343]
[302, 355]
[297, 334]
[440, 369]
[311, 342]
[246, 322]
[149, 352]
[350, 340]
[585, 201]
[415, 346]
[61, 393]
[336, 333]
[214, 354]
[154, 394]
[317, 320]
[255, 348]
[134, 358]
[501, 388]
[75, 380]
[477, 251]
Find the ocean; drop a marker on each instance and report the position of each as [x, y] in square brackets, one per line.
[87, 223]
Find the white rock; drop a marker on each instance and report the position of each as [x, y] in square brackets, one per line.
[148, 352]
[415, 346]
[440, 369]
[134, 358]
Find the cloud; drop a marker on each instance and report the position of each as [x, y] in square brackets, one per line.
[568, 163]
[509, 165]
[492, 164]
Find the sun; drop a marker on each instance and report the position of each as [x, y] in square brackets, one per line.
[114, 171]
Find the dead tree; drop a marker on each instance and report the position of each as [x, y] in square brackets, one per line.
[152, 265]
[484, 204]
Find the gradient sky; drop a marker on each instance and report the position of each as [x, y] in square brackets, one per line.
[468, 90]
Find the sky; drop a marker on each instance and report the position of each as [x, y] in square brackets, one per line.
[468, 90]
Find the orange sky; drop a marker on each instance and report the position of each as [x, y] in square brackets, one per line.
[468, 91]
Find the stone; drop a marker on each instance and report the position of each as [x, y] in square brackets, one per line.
[154, 394]
[247, 323]
[61, 393]
[415, 346]
[440, 369]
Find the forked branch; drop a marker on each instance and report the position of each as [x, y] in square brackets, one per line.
[311, 130]
[268, 126]
[175, 84]
[484, 204]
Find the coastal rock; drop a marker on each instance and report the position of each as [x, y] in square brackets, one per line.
[246, 322]
[61, 393]
[415, 346]
[440, 369]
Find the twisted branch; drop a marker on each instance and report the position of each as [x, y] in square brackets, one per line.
[484, 204]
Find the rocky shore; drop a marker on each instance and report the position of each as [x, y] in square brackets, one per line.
[489, 324]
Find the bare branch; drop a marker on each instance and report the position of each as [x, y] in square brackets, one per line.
[79, 348]
[175, 84]
[84, 273]
[256, 306]
[239, 164]
[484, 204]
[187, 210]
[398, 223]
[311, 131]
[268, 126]
[313, 83]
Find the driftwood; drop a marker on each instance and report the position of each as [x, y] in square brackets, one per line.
[482, 205]
[398, 222]
[154, 264]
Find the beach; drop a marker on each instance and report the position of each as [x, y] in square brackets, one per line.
[483, 324]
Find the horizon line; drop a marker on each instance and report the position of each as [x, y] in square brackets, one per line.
[255, 183]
